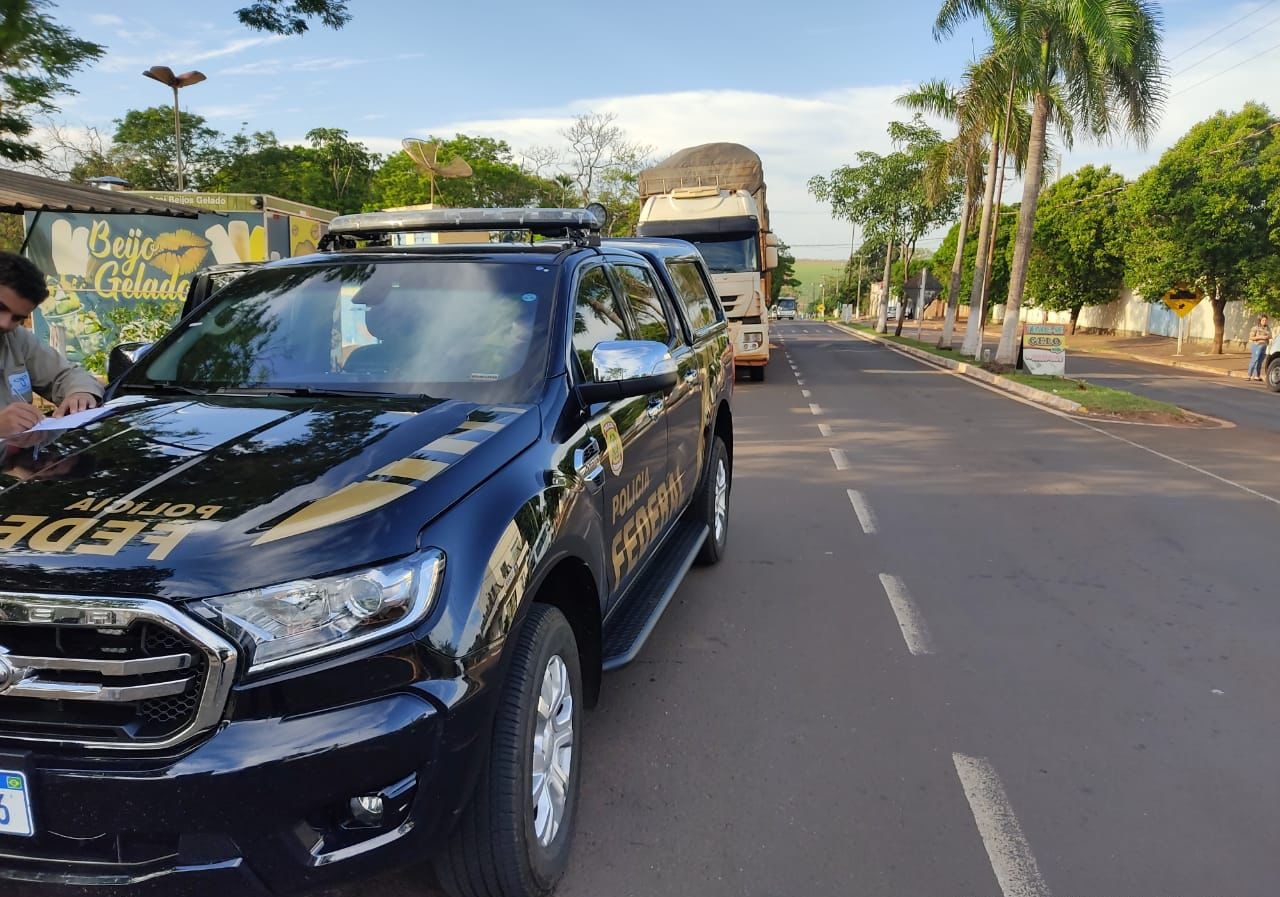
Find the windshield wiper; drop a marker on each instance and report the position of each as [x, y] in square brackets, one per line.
[165, 388]
[321, 392]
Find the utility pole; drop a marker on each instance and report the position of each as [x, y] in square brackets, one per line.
[924, 278]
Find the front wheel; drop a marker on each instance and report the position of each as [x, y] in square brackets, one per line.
[513, 840]
[1273, 374]
[712, 504]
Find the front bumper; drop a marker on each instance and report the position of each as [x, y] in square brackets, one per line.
[261, 807]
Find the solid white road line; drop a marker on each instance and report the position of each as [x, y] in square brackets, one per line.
[824, 429]
[1007, 848]
[839, 458]
[914, 632]
[815, 409]
[866, 516]
[805, 393]
[1088, 426]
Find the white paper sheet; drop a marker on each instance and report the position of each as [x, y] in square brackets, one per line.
[71, 421]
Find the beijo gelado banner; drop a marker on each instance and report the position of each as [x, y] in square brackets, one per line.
[100, 268]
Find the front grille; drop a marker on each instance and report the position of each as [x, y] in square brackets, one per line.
[106, 672]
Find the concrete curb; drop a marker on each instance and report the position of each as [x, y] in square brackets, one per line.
[1030, 393]
[1186, 365]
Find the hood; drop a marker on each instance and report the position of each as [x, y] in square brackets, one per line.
[193, 497]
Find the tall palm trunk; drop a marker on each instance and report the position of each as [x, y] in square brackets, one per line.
[972, 332]
[1008, 351]
[882, 314]
[957, 265]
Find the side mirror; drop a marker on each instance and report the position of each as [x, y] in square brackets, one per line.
[123, 357]
[770, 257]
[623, 369]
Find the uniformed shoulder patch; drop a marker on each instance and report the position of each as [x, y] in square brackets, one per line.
[612, 445]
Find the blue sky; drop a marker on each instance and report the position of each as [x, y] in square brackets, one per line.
[806, 84]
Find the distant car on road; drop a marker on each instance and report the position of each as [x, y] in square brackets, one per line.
[787, 308]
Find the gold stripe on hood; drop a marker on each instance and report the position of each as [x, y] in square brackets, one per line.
[349, 501]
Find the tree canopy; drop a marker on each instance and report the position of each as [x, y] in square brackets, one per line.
[1078, 258]
[1205, 215]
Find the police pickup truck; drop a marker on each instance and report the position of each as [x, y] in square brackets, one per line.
[328, 586]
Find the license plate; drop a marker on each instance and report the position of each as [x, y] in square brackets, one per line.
[15, 804]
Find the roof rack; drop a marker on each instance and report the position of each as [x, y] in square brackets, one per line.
[578, 225]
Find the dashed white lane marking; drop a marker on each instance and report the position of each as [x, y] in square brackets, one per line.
[1007, 847]
[805, 393]
[824, 429]
[815, 409]
[866, 516]
[914, 632]
[839, 458]
[799, 381]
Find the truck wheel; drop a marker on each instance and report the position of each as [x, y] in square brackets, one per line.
[1273, 374]
[757, 373]
[713, 504]
[513, 840]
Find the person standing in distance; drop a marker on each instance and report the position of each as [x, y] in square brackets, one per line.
[27, 365]
[1259, 339]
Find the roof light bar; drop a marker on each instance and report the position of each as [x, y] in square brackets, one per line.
[543, 222]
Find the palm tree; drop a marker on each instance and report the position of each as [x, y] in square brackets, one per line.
[1099, 59]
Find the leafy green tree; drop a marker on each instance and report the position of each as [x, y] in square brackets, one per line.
[1205, 215]
[784, 276]
[341, 168]
[37, 56]
[293, 16]
[259, 163]
[142, 149]
[1078, 258]
[944, 258]
[11, 232]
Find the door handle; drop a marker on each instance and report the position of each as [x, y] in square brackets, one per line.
[691, 376]
[654, 408]
[586, 453]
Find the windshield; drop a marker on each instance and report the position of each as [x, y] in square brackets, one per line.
[448, 328]
[787, 304]
[728, 255]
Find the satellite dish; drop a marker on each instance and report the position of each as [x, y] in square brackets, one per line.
[425, 154]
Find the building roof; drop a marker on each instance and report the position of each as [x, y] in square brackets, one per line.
[22, 192]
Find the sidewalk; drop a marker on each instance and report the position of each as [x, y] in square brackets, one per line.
[1151, 349]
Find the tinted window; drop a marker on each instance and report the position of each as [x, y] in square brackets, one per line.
[467, 329]
[728, 254]
[646, 307]
[597, 317]
[694, 294]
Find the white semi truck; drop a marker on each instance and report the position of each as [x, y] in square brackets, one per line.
[713, 195]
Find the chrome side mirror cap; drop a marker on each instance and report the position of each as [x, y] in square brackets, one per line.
[623, 369]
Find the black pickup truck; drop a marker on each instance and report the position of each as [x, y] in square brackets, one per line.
[328, 586]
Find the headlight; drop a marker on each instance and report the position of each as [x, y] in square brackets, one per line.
[308, 618]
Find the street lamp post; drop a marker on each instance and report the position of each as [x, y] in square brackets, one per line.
[165, 76]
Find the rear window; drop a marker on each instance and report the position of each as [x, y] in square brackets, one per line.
[695, 294]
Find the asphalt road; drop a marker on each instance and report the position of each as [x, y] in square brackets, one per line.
[1245, 403]
[1025, 656]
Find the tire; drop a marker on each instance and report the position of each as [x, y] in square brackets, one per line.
[757, 373]
[1273, 373]
[503, 846]
[712, 504]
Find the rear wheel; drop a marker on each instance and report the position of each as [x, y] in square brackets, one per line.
[1273, 373]
[513, 840]
[713, 504]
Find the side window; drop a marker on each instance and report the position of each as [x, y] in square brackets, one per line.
[646, 306]
[597, 317]
[695, 295]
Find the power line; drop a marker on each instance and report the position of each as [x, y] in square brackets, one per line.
[1247, 35]
[1229, 25]
[1224, 71]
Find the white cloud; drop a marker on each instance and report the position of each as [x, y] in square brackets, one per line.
[235, 46]
[105, 19]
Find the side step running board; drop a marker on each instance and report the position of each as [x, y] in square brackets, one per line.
[630, 623]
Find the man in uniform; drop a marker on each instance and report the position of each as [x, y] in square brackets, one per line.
[27, 365]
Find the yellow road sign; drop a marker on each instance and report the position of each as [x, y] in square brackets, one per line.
[1183, 299]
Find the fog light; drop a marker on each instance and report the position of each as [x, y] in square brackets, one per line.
[367, 809]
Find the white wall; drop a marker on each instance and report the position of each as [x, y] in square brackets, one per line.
[1130, 315]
